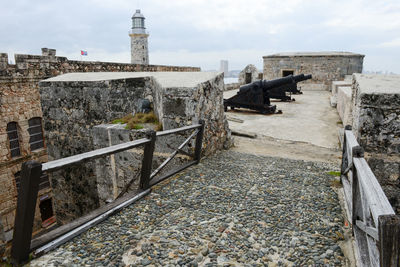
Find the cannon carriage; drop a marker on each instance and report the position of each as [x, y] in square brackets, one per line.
[256, 96]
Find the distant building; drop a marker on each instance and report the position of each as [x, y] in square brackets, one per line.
[224, 67]
[325, 67]
[139, 44]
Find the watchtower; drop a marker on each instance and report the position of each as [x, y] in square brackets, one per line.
[139, 44]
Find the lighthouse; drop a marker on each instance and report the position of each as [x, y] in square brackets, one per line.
[139, 44]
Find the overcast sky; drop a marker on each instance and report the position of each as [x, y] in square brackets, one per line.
[202, 32]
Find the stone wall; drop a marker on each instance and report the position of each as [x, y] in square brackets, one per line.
[376, 125]
[49, 65]
[325, 67]
[74, 103]
[70, 110]
[19, 102]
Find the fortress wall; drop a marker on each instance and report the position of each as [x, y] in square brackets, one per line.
[376, 125]
[325, 67]
[19, 102]
[39, 67]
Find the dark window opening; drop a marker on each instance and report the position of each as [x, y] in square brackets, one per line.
[46, 209]
[144, 59]
[287, 73]
[248, 78]
[43, 181]
[35, 133]
[12, 132]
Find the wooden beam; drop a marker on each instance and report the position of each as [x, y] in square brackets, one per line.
[369, 230]
[173, 172]
[377, 200]
[389, 236]
[26, 206]
[244, 134]
[173, 154]
[177, 130]
[61, 163]
[147, 161]
[96, 217]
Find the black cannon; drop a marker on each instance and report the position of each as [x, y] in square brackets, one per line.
[280, 92]
[256, 95]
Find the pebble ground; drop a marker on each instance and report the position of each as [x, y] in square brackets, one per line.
[232, 209]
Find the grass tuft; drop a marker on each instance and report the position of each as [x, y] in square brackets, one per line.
[135, 122]
[333, 173]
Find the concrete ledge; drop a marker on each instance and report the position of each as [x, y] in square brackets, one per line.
[344, 104]
[335, 85]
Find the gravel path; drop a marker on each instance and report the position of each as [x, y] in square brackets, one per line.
[232, 209]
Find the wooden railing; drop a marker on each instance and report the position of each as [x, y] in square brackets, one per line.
[23, 244]
[375, 226]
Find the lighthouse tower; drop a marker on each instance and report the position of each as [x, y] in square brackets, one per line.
[139, 46]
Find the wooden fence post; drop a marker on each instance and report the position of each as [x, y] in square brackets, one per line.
[389, 240]
[199, 142]
[26, 205]
[345, 160]
[147, 161]
[357, 152]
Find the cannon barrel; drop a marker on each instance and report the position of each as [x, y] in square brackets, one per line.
[266, 85]
[277, 82]
[302, 77]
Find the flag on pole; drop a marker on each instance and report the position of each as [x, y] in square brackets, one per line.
[83, 53]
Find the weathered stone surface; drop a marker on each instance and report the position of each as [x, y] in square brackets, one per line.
[325, 67]
[376, 111]
[376, 125]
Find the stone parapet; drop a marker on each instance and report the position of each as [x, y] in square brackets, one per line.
[336, 84]
[344, 104]
[376, 125]
[376, 112]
